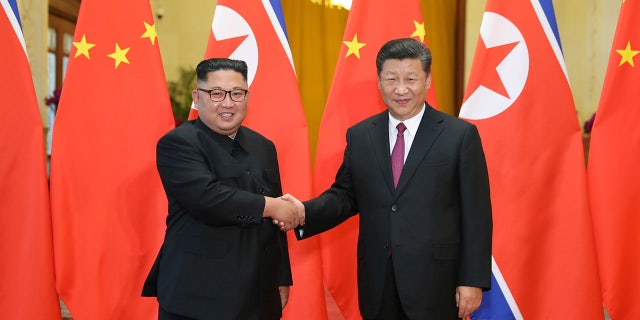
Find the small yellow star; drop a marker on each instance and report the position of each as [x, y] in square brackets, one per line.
[120, 55]
[82, 47]
[627, 55]
[354, 46]
[419, 30]
[150, 33]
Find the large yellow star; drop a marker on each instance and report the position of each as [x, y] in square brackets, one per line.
[82, 47]
[150, 33]
[120, 55]
[419, 30]
[354, 46]
[627, 55]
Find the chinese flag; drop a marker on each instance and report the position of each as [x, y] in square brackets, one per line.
[354, 97]
[518, 95]
[27, 287]
[254, 31]
[614, 172]
[107, 201]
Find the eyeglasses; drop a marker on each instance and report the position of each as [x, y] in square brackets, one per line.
[218, 95]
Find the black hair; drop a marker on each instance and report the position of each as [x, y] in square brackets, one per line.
[404, 48]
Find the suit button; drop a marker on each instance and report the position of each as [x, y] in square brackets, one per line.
[394, 208]
[261, 190]
[387, 248]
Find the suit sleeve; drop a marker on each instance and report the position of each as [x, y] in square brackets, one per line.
[186, 177]
[477, 225]
[334, 205]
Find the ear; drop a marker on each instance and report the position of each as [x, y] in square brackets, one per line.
[196, 98]
[429, 81]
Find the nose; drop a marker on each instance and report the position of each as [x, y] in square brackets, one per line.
[401, 89]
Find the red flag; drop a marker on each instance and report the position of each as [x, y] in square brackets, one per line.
[254, 31]
[519, 97]
[613, 170]
[107, 200]
[353, 97]
[26, 271]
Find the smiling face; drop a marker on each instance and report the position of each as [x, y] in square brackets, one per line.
[403, 85]
[226, 116]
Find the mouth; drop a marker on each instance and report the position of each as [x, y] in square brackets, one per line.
[226, 115]
[402, 101]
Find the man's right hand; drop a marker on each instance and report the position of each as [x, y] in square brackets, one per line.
[284, 213]
[299, 206]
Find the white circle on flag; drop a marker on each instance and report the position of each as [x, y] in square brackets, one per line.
[227, 24]
[483, 103]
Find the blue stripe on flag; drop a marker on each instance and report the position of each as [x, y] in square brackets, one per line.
[494, 304]
[14, 8]
[277, 8]
[10, 8]
[274, 11]
[547, 7]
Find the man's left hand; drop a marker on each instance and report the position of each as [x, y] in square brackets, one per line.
[468, 300]
[284, 295]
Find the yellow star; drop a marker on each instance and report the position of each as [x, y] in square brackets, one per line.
[120, 55]
[82, 47]
[150, 33]
[627, 55]
[419, 30]
[354, 46]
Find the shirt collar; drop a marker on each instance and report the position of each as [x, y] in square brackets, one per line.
[412, 123]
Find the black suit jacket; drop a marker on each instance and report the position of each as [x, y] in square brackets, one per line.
[436, 224]
[220, 259]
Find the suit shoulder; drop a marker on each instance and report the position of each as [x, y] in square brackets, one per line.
[185, 129]
[254, 135]
[449, 120]
[376, 119]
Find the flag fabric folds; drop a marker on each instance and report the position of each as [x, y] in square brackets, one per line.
[26, 272]
[613, 172]
[108, 205]
[254, 31]
[354, 97]
[519, 96]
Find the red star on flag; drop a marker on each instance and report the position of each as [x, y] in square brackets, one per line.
[491, 57]
[224, 47]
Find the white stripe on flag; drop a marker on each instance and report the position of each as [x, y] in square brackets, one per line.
[279, 31]
[544, 22]
[505, 290]
[14, 23]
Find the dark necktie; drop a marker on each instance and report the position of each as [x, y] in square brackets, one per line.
[397, 155]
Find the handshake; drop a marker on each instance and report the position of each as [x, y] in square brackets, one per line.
[287, 212]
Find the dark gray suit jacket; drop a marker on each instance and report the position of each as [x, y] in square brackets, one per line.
[437, 223]
[219, 259]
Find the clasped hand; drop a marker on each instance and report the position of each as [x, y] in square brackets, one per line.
[287, 219]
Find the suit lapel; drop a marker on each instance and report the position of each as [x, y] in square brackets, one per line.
[429, 130]
[379, 136]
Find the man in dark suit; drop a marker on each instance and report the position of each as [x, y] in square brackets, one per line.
[222, 257]
[424, 246]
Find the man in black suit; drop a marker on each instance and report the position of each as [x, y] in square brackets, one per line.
[222, 257]
[424, 246]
